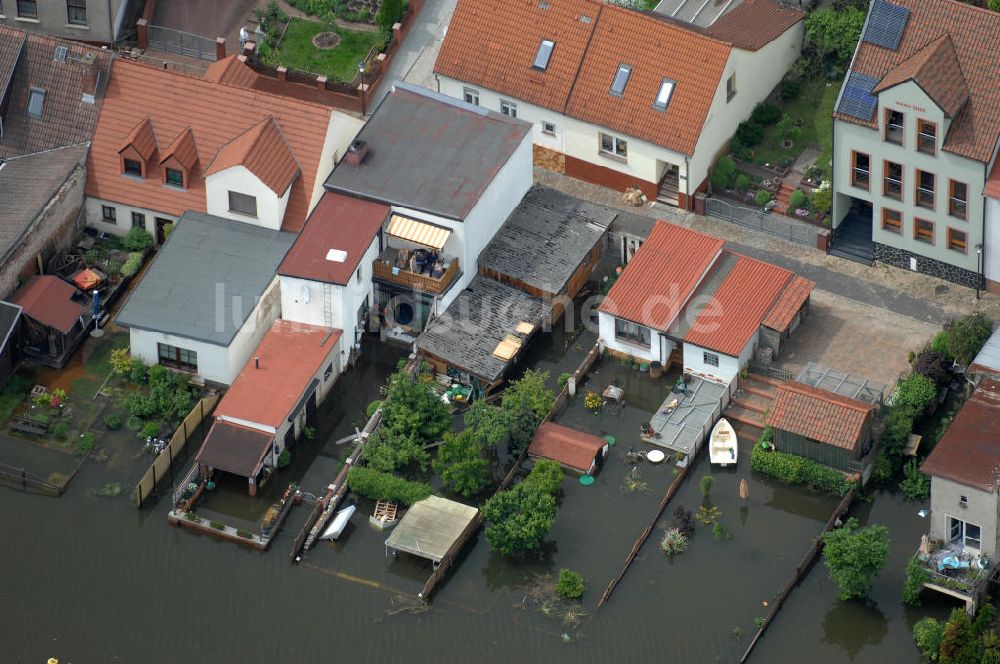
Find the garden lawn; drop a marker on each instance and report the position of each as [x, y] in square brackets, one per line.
[296, 50]
[814, 105]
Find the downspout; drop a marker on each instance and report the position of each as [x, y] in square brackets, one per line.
[687, 184]
[437, 82]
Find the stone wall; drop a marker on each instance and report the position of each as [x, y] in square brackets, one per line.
[53, 230]
[901, 258]
[550, 160]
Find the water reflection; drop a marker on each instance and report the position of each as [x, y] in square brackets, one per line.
[853, 625]
[503, 572]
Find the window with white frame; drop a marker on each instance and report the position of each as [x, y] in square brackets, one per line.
[508, 108]
[549, 128]
[471, 96]
[631, 332]
[968, 535]
[710, 359]
[613, 146]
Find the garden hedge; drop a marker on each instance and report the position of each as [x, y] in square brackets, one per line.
[793, 469]
[377, 485]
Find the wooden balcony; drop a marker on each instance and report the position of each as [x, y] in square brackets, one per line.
[383, 270]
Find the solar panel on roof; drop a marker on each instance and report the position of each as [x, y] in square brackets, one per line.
[886, 24]
[60, 54]
[857, 99]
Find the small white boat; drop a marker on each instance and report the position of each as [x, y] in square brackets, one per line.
[340, 521]
[722, 446]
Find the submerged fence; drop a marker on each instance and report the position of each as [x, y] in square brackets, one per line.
[774, 224]
[164, 462]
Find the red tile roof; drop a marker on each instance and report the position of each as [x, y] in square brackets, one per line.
[571, 448]
[993, 184]
[141, 139]
[936, 70]
[973, 34]
[233, 70]
[788, 304]
[739, 305]
[584, 60]
[290, 354]
[217, 114]
[819, 415]
[753, 24]
[183, 150]
[662, 276]
[969, 451]
[338, 222]
[263, 151]
[49, 300]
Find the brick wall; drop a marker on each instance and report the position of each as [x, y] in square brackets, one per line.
[606, 177]
[549, 159]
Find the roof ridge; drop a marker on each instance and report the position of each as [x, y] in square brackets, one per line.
[583, 57]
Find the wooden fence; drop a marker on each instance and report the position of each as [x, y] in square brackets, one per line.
[163, 465]
[26, 481]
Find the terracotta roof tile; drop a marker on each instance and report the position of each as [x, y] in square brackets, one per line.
[973, 35]
[572, 448]
[788, 304]
[739, 306]
[232, 70]
[936, 70]
[217, 114]
[49, 300]
[263, 151]
[993, 184]
[969, 451]
[753, 24]
[289, 355]
[338, 222]
[819, 415]
[142, 139]
[662, 275]
[183, 150]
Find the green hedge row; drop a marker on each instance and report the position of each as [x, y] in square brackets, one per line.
[793, 469]
[377, 485]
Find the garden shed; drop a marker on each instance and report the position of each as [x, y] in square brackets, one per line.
[432, 528]
[56, 317]
[578, 451]
[824, 426]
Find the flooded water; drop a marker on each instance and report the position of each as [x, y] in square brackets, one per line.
[89, 579]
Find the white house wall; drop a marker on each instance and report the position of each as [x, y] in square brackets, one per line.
[991, 251]
[982, 510]
[340, 132]
[270, 206]
[658, 350]
[123, 216]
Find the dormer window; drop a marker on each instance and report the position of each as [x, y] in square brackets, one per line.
[544, 54]
[663, 96]
[620, 80]
[36, 102]
[132, 167]
[173, 177]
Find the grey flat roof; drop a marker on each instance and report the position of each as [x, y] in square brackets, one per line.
[988, 358]
[429, 152]
[546, 238]
[27, 184]
[636, 225]
[206, 278]
[431, 527]
[692, 419]
[480, 318]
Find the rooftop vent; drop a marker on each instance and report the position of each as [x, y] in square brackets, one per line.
[544, 54]
[356, 152]
[336, 255]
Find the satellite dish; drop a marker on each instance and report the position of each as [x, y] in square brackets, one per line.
[304, 295]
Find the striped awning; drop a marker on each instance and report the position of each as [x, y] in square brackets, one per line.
[419, 232]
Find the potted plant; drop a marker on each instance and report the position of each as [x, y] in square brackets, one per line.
[655, 369]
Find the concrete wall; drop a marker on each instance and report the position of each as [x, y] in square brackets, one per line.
[915, 105]
[218, 364]
[54, 229]
[270, 206]
[53, 19]
[982, 511]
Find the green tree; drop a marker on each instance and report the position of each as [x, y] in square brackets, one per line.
[390, 13]
[529, 391]
[489, 422]
[928, 634]
[916, 576]
[412, 417]
[960, 644]
[518, 519]
[522, 424]
[460, 463]
[833, 33]
[854, 556]
[547, 476]
[571, 584]
[916, 392]
[967, 335]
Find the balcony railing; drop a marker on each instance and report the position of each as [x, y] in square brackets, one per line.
[926, 142]
[894, 133]
[957, 207]
[949, 567]
[860, 177]
[925, 197]
[893, 188]
[384, 269]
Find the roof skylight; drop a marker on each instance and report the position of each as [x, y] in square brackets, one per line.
[621, 80]
[663, 96]
[543, 55]
[36, 102]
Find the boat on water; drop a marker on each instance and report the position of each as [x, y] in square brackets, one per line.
[340, 521]
[722, 446]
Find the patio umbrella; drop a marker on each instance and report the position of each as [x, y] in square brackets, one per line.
[87, 279]
[925, 546]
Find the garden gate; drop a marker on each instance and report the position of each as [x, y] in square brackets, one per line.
[183, 43]
[784, 227]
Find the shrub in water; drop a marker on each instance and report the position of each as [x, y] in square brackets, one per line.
[134, 423]
[683, 520]
[218, 525]
[571, 585]
[60, 430]
[706, 485]
[85, 444]
[673, 542]
[113, 422]
[149, 430]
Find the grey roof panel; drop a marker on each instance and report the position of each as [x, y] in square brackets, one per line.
[988, 358]
[886, 24]
[857, 99]
[206, 279]
[546, 238]
[429, 152]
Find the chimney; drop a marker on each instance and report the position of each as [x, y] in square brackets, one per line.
[356, 152]
[256, 362]
[91, 77]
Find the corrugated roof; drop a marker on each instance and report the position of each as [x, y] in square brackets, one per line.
[217, 114]
[338, 222]
[206, 278]
[819, 415]
[234, 449]
[788, 304]
[662, 276]
[738, 307]
[49, 300]
[278, 374]
[263, 151]
[969, 451]
[753, 24]
[431, 527]
[572, 448]
[973, 35]
[987, 360]
[429, 152]
[935, 68]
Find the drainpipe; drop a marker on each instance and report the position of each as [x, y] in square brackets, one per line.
[437, 82]
[687, 183]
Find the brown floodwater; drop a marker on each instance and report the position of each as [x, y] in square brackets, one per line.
[90, 579]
